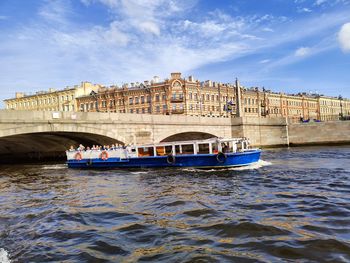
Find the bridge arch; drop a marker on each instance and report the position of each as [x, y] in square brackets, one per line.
[46, 145]
[186, 136]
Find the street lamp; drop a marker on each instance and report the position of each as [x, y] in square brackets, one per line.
[341, 107]
[93, 93]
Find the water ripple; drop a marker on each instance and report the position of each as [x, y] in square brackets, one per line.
[292, 207]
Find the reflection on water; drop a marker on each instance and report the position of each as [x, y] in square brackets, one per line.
[293, 206]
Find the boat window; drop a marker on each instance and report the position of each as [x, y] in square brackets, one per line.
[187, 148]
[203, 148]
[215, 147]
[146, 151]
[230, 146]
[239, 146]
[163, 150]
[177, 149]
[225, 147]
[245, 145]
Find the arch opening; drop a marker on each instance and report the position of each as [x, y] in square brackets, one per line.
[188, 136]
[46, 146]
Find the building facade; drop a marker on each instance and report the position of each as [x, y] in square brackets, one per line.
[175, 95]
[178, 95]
[51, 100]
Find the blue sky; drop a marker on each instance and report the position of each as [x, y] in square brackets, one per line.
[283, 45]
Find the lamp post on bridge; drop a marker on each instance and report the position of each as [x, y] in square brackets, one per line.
[341, 107]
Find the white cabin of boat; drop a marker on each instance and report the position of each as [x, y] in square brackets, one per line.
[208, 146]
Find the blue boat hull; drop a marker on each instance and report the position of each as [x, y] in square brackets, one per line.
[198, 161]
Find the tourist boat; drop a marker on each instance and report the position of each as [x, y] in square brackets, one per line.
[210, 153]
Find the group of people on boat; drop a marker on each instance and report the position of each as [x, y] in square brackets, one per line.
[96, 147]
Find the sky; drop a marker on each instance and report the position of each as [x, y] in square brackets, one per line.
[283, 45]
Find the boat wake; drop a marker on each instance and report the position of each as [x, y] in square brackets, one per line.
[4, 256]
[254, 166]
[257, 165]
[54, 167]
[139, 172]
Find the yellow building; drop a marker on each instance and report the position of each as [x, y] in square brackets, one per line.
[331, 108]
[51, 100]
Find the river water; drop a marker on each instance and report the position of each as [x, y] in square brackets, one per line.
[294, 206]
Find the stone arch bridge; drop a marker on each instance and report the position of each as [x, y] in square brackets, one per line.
[42, 134]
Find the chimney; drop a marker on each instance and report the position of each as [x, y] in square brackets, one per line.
[191, 78]
[209, 83]
[19, 95]
[156, 79]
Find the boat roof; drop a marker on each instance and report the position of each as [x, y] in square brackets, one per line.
[214, 139]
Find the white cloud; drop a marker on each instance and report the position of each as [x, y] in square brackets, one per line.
[302, 52]
[344, 37]
[264, 61]
[304, 10]
[3, 17]
[320, 2]
[267, 29]
[55, 11]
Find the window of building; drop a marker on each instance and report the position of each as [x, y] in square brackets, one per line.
[137, 110]
[157, 97]
[143, 110]
[163, 96]
[195, 96]
[136, 100]
[104, 104]
[148, 98]
[212, 97]
[131, 100]
[208, 97]
[164, 107]
[142, 99]
[91, 105]
[190, 96]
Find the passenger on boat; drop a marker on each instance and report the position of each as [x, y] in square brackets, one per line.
[81, 147]
[224, 148]
[71, 149]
